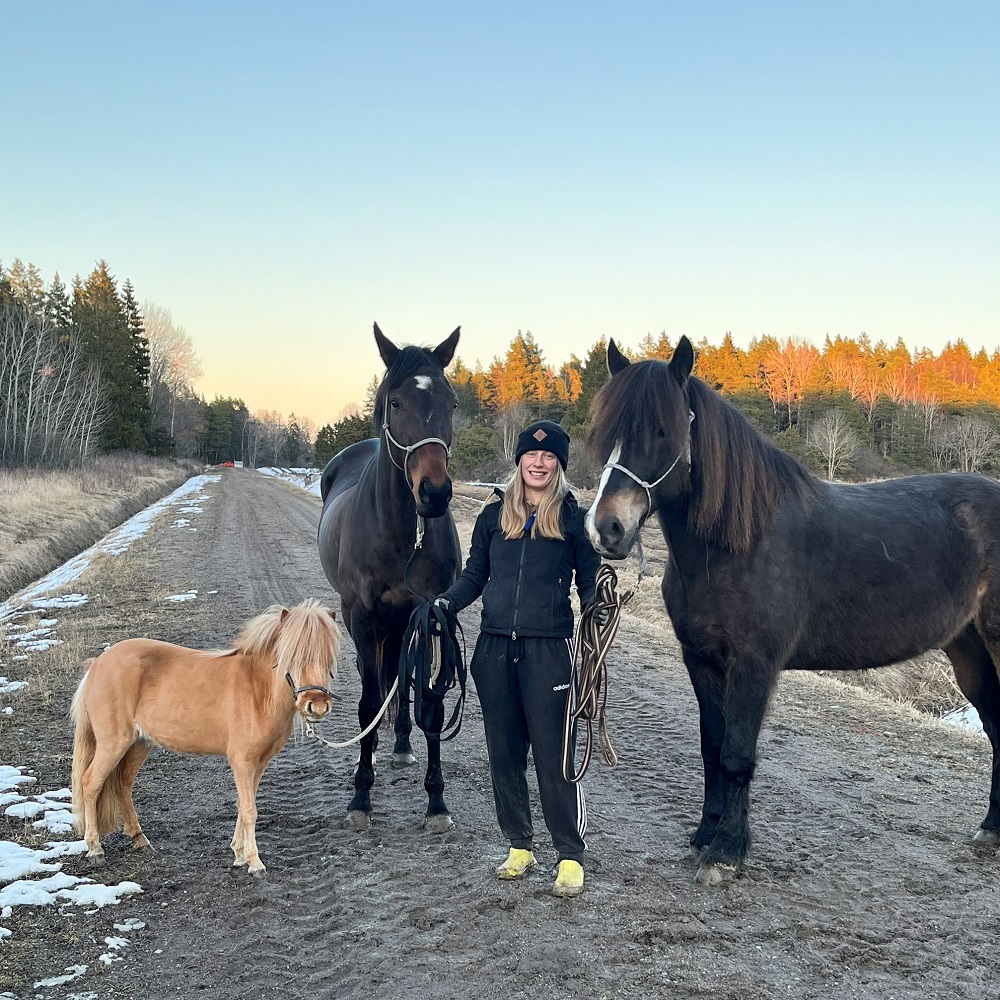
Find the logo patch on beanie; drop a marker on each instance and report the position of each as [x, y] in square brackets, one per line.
[539, 435]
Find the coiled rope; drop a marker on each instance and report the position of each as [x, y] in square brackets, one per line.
[588, 684]
[430, 665]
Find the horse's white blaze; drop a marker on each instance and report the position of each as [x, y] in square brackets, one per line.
[590, 520]
[423, 382]
[630, 506]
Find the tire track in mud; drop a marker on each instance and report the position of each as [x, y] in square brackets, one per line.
[860, 883]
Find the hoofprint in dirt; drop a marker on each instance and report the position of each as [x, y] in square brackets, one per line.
[862, 882]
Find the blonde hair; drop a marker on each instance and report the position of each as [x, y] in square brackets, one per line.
[516, 509]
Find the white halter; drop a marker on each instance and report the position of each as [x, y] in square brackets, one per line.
[648, 487]
[407, 450]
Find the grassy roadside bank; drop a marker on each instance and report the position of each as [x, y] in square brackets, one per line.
[49, 515]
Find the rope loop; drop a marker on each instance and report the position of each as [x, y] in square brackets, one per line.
[587, 697]
[430, 665]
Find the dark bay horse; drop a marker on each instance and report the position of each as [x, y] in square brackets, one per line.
[771, 569]
[386, 528]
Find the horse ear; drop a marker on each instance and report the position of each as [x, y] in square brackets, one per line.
[386, 347]
[284, 614]
[683, 360]
[616, 360]
[445, 351]
[333, 615]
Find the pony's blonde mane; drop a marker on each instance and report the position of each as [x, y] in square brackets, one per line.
[293, 637]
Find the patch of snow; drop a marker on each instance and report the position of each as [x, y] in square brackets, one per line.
[180, 598]
[130, 925]
[6, 686]
[72, 972]
[11, 776]
[24, 810]
[965, 718]
[17, 861]
[63, 601]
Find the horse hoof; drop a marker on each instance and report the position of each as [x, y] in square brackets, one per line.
[358, 820]
[695, 854]
[986, 840]
[401, 760]
[141, 844]
[259, 873]
[439, 823]
[716, 874]
[95, 860]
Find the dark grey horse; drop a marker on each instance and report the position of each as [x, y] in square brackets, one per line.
[386, 535]
[771, 569]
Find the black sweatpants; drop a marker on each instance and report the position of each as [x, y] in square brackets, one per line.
[522, 687]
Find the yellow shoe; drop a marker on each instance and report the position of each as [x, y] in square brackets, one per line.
[518, 863]
[569, 879]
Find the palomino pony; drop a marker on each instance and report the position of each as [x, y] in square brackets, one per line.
[771, 569]
[238, 704]
[386, 538]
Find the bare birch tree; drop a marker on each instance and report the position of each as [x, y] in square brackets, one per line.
[968, 442]
[834, 438]
[51, 400]
[511, 420]
[173, 365]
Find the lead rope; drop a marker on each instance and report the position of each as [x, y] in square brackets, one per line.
[587, 696]
[310, 732]
[430, 665]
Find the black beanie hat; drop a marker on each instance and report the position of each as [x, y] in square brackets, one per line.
[544, 435]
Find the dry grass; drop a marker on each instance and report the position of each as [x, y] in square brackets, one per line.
[47, 516]
[926, 683]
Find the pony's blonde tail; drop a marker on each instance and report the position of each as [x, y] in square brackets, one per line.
[109, 801]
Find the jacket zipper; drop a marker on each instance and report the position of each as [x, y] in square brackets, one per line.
[517, 589]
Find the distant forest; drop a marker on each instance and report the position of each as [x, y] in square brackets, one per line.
[852, 409]
[87, 368]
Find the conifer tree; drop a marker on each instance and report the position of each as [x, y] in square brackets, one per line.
[593, 374]
[371, 392]
[112, 338]
[57, 307]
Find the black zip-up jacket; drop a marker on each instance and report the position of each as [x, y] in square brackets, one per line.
[525, 581]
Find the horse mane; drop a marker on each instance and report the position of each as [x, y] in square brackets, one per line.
[739, 479]
[409, 361]
[305, 633]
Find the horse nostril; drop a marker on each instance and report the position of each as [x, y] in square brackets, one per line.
[613, 530]
[437, 497]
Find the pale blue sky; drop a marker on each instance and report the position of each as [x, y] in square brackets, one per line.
[279, 176]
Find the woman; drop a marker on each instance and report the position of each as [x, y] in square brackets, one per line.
[525, 547]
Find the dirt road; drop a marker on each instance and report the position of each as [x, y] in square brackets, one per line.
[862, 882]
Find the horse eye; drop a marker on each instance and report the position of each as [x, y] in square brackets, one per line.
[660, 433]
[394, 403]
[454, 405]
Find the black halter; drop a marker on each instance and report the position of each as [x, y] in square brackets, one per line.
[296, 691]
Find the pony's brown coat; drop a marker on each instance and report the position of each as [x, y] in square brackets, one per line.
[235, 703]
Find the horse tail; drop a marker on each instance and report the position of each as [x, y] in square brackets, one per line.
[109, 800]
[387, 672]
